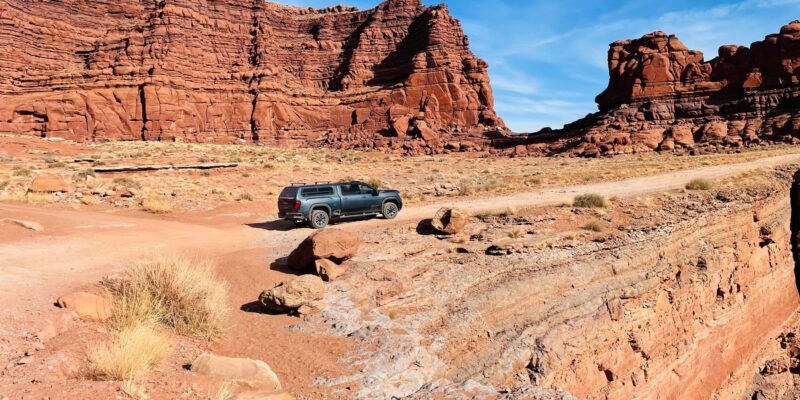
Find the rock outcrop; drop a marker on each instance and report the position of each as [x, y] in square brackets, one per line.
[662, 96]
[398, 76]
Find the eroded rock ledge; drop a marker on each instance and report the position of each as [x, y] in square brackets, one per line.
[682, 293]
[398, 76]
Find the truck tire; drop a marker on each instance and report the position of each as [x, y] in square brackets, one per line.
[390, 210]
[319, 219]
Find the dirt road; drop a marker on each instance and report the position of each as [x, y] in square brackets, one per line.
[84, 244]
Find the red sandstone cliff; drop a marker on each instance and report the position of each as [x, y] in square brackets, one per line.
[225, 71]
[662, 96]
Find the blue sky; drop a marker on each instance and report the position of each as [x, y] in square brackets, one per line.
[548, 58]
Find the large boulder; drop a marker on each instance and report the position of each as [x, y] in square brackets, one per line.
[88, 306]
[449, 220]
[242, 372]
[47, 183]
[332, 244]
[300, 295]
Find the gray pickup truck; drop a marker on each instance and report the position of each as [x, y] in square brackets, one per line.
[318, 204]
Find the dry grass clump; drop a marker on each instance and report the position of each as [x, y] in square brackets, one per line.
[183, 295]
[594, 226]
[130, 354]
[127, 182]
[22, 171]
[699, 184]
[37, 198]
[156, 206]
[589, 200]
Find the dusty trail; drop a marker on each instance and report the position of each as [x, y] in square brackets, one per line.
[84, 244]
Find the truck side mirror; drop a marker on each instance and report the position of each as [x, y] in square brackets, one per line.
[374, 192]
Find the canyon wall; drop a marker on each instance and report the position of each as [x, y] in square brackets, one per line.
[688, 298]
[398, 76]
[662, 96]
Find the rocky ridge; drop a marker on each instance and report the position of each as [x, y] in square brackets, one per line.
[397, 76]
[662, 96]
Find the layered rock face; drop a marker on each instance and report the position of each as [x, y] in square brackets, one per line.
[685, 300]
[664, 97]
[225, 71]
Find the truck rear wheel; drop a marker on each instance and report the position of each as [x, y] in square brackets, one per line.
[319, 219]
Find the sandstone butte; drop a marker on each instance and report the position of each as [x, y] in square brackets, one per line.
[662, 96]
[395, 77]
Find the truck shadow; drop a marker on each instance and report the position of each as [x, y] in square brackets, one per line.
[280, 225]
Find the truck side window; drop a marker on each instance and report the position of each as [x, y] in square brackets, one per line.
[364, 189]
[350, 189]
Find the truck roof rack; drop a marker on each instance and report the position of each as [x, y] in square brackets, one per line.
[311, 184]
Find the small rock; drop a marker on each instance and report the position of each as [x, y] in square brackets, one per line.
[328, 270]
[279, 395]
[47, 183]
[25, 360]
[34, 226]
[449, 220]
[290, 295]
[244, 372]
[88, 306]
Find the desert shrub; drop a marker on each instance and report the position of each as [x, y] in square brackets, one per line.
[39, 198]
[516, 233]
[85, 173]
[508, 212]
[130, 354]
[589, 200]
[127, 182]
[699, 184]
[184, 295]
[376, 183]
[21, 171]
[594, 226]
[466, 188]
[156, 205]
[246, 197]
[4, 184]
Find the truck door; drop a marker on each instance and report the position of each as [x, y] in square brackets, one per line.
[353, 200]
[372, 203]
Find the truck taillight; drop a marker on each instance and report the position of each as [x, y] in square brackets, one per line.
[297, 205]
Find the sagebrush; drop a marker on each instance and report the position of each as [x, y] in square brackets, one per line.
[182, 294]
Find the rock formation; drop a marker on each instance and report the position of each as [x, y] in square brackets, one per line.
[662, 96]
[398, 76]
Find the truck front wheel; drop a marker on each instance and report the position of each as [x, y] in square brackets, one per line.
[390, 210]
[319, 219]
